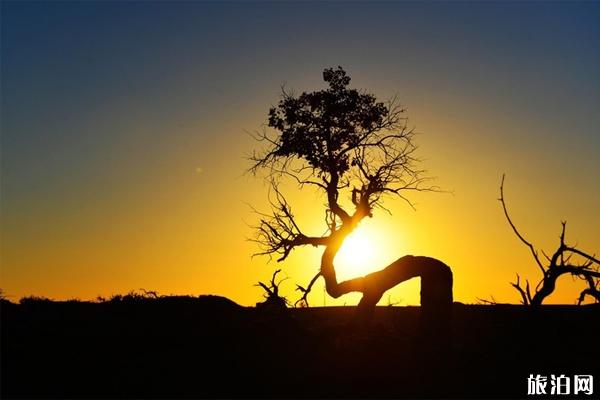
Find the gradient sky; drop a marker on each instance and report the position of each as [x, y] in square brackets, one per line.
[123, 138]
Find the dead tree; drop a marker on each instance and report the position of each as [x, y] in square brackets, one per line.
[560, 263]
[343, 143]
[272, 297]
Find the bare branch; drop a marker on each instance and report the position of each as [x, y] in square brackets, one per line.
[514, 228]
[517, 285]
[591, 290]
[278, 232]
[591, 258]
[559, 264]
[305, 291]
[272, 292]
[492, 301]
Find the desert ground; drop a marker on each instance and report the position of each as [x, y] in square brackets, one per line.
[208, 346]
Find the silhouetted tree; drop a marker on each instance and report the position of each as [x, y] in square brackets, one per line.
[342, 141]
[272, 297]
[558, 264]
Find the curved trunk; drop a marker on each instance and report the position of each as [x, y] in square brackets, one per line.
[548, 284]
[436, 283]
[436, 279]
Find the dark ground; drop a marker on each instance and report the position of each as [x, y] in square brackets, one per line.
[210, 347]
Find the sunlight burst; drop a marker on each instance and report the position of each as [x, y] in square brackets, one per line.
[357, 255]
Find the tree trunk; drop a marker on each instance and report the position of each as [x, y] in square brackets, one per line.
[436, 287]
[548, 285]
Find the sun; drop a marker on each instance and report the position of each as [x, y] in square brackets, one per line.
[370, 247]
[357, 255]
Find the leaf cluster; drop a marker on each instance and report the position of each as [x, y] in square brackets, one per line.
[322, 126]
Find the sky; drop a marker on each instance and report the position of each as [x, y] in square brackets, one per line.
[124, 139]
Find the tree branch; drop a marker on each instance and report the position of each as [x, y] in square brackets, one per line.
[558, 265]
[303, 301]
[278, 232]
[515, 230]
[517, 285]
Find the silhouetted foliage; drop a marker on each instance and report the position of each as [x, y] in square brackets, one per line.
[323, 127]
[560, 263]
[134, 296]
[34, 300]
[342, 142]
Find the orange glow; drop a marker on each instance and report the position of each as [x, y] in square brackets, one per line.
[178, 231]
[164, 226]
[356, 254]
[365, 250]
